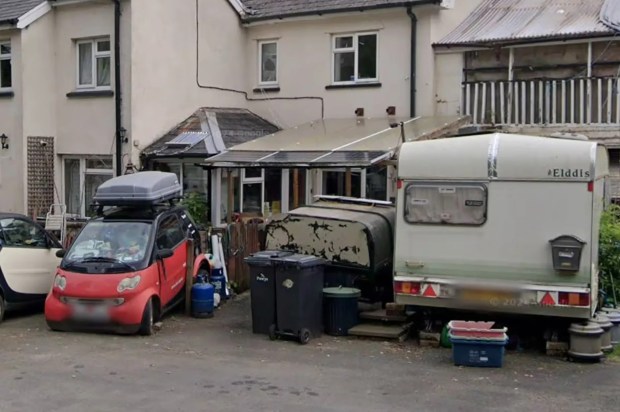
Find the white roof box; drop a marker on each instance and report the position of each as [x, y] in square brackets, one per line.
[142, 188]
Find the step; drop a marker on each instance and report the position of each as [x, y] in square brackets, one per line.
[373, 330]
[382, 316]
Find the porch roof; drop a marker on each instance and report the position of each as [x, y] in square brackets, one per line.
[496, 22]
[12, 10]
[209, 131]
[354, 142]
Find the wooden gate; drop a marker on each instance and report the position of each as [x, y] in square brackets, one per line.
[243, 239]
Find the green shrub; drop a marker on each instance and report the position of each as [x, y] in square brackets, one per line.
[609, 250]
[197, 206]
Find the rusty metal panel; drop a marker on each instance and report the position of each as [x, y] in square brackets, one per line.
[349, 235]
[514, 21]
[336, 241]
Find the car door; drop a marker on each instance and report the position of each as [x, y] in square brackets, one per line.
[28, 259]
[170, 235]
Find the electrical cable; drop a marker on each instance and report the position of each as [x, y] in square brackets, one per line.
[245, 94]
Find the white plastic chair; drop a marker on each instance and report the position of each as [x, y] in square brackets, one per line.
[56, 220]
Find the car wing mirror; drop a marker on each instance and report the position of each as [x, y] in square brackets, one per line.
[61, 253]
[164, 254]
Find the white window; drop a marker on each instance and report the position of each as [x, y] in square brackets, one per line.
[268, 62]
[6, 79]
[94, 64]
[444, 203]
[82, 177]
[355, 58]
[252, 191]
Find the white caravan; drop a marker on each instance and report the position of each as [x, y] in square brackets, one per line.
[500, 223]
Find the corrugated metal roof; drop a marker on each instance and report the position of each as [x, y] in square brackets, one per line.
[518, 21]
[610, 14]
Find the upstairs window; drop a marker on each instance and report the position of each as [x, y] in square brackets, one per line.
[268, 62]
[355, 58]
[94, 63]
[6, 79]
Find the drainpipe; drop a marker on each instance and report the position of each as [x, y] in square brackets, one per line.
[117, 86]
[414, 49]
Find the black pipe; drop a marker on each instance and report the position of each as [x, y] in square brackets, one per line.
[117, 86]
[413, 68]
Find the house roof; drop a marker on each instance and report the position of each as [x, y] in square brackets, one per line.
[257, 10]
[610, 14]
[348, 142]
[521, 21]
[209, 131]
[11, 10]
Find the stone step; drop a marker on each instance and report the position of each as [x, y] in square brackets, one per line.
[373, 330]
[381, 315]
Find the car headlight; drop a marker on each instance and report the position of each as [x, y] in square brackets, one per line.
[128, 284]
[60, 282]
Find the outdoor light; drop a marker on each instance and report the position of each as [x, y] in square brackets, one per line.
[123, 133]
[3, 140]
[130, 169]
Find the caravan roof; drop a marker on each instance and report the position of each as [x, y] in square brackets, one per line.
[501, 156]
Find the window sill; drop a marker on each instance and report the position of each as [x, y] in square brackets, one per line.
[267, 89]
[354, 86]
[6, 94]
[90, 93]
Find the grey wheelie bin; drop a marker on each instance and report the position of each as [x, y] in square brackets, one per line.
[263, 288]
[299, 297]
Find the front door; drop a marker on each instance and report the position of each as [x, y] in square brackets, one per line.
[170, 235]
[27, 260]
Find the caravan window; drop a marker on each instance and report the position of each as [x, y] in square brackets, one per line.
[456, 204]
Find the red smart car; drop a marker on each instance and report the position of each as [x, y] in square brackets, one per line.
[127, 267]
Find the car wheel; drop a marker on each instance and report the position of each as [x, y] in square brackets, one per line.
[2, 306]
[304, 336]
[146, 327]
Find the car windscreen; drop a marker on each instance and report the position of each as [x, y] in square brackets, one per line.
[116, 242]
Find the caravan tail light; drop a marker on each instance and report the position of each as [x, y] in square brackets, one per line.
[399, 184]
[407, 288]
[573, 299]
[590, 186]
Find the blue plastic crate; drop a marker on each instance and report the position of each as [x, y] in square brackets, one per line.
[488, 354]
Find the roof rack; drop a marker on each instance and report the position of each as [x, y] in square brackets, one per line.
[138, 189]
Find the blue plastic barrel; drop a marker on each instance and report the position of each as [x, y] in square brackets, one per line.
[218, 280]
[202, 299]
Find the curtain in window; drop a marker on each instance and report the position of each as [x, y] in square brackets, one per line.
[103, 71]
[72, 186]
[86, 63]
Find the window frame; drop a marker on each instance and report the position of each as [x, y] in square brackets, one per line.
[261, 43]
[179, 223]
[84, 171]
[94, 55]
[355, 50]
[9, 57]
[480, 185]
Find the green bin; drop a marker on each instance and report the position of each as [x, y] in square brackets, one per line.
[340, 309]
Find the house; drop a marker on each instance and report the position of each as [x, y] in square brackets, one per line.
[96, 85]
[541, 67]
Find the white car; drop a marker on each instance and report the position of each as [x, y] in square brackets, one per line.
[28, 262]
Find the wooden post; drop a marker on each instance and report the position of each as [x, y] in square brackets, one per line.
[347, 182]
[295, 188]
[189, 276]
[231, 191]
